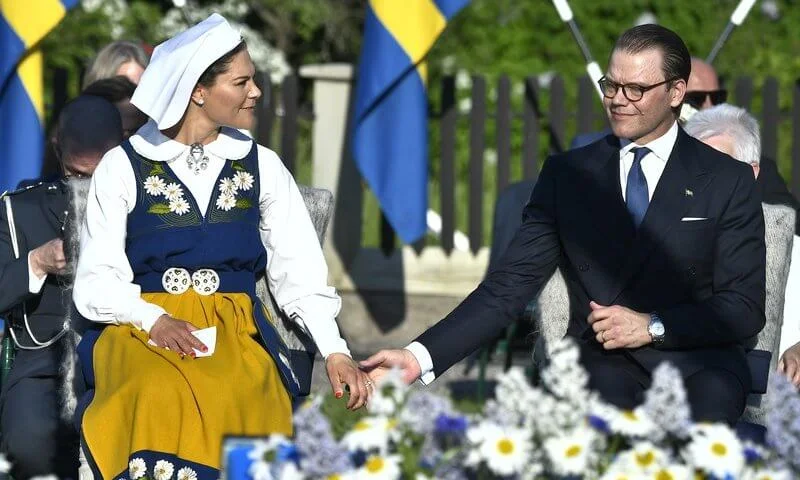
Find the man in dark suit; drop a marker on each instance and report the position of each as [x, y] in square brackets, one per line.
[660, 239]
[32, 297]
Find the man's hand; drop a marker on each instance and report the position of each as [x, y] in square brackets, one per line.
[343, 370]
[176, 335]
[789, 364]
[619, 327]
[382, 362]
[49, 258]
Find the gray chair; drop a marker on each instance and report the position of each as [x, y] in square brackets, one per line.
[319, 203]
[552, 306]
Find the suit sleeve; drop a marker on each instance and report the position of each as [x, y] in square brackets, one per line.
[13, 271]
[735, 310]
[526, 265]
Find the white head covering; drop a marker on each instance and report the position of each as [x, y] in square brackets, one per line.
[177, 64]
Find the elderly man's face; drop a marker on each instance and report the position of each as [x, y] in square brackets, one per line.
[724, 144]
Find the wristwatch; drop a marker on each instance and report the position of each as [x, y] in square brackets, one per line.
[656, 329]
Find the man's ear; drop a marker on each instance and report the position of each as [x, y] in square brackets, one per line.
[677, 92]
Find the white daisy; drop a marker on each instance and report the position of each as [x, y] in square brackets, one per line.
[179, 206]
[187, 473]
[226, 201]
[644, 458]
[227, 186]
[632, 423]
[173, 191]
[388, 394]
[163, 470]
[370, 433]
[506, 451]
[766, 475]
[154, 185]
[571, 453]
[137, 468]
[380, 467]
[674, 472]
[716, 450]
[243, 181]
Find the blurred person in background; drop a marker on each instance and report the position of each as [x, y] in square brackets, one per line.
[119, 90]
[33, 269]
[117, 58]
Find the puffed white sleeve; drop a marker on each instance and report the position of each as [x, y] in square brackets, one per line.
[296, 270]
[104, 291]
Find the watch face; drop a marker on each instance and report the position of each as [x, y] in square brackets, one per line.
[657, 329]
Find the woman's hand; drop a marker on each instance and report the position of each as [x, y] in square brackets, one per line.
[343, 370]
[176, 335]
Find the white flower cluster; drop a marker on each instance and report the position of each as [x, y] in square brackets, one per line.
[229, 187]
[558, 430]
[172, 192]
[162, 470]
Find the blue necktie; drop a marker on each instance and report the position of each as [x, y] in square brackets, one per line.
[636, 196]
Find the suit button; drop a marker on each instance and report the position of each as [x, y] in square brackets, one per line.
[692, 271]
[583, 267]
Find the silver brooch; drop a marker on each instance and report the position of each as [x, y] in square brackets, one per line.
[197, 160]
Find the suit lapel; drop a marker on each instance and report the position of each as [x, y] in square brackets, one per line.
[608, 205]
[682, 179]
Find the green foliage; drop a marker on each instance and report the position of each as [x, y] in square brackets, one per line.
[489, 37]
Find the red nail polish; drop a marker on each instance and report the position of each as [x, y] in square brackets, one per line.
[339, 394]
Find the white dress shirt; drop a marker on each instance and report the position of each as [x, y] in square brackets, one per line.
[652, 165]
[296, 270]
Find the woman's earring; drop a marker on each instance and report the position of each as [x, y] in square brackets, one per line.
[201, 102]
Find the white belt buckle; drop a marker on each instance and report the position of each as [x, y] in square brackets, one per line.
[205, 281]
[176, 280]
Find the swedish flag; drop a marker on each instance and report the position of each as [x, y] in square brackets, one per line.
[390, 139]
[23, 23]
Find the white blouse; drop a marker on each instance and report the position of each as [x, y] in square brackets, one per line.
[297, 275]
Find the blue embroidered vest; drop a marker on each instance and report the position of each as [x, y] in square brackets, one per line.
[166, 229]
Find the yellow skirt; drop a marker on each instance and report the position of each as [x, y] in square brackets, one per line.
[149, 402]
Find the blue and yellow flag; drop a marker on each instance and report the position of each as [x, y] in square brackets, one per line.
[23, 23]
[390, 128]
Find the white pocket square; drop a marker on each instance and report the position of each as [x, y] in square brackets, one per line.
[693, 219]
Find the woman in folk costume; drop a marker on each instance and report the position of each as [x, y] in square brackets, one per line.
[179, 221]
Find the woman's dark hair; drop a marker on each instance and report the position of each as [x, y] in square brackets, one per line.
[677, 62]
[114, 89]
[223, 63]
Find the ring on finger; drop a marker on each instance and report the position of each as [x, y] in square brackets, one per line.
[368, 383]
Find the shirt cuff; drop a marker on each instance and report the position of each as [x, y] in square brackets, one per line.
[325, 334]
[146, 316]
[34, 283]
[425, 362]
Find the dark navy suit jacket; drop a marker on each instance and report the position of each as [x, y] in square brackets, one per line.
[705, 278]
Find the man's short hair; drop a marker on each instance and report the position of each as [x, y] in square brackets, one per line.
[677, 61]
[114, 89]
[733, 122]
[88, 125]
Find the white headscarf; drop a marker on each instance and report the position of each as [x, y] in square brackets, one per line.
[166, 86]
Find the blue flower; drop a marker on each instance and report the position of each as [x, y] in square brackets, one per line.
[751, 455]
[359, 458]
[287, 452]
[599, 424]
[446, 424]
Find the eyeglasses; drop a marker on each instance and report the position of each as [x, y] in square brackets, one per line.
[697, 98]
[632, 91]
